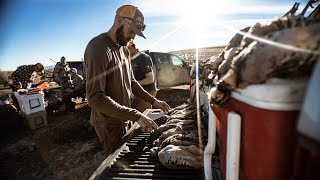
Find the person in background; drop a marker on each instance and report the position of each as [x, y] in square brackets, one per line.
[61, 74]
[77, 87]
[77, 83]
[21, 76]
[110, 80]
[142, 69]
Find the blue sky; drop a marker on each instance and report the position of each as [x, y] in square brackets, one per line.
[37, 30]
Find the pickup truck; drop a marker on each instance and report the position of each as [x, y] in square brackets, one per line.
[79, 65]
[170, 69]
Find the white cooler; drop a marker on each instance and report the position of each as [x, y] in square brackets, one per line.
[31, 103]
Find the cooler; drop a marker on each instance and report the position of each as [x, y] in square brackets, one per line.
[307, 151]
[31, 103]
[257, 130]
[35, 120]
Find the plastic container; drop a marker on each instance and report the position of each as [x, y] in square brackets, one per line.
[35, 120]
[43, 86]
[307, 154]
[268, 116]
[154, 113]
[31, 103]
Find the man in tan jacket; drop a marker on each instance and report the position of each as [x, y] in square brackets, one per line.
[110, 80]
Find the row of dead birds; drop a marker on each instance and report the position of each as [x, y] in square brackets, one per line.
[179, 143]
[287, 47]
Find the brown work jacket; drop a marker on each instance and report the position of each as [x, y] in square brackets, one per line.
[110, 83]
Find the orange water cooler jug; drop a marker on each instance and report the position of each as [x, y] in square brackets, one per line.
[257, 130]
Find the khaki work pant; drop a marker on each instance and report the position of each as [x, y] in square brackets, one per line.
[110, 137]
[140, 104]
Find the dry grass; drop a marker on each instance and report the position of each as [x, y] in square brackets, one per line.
[48, 72]
[5, 78]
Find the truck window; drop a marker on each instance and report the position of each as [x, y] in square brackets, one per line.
[176, 60]
[161, 58]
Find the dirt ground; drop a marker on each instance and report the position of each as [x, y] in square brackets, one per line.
[67, 148]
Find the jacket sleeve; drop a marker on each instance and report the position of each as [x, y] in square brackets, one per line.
[97, 61]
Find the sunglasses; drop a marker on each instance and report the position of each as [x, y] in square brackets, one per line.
[138, 24]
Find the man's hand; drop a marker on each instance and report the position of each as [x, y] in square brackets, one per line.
[146, 124]
[161, 105]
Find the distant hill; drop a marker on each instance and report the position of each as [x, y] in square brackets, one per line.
[49, 67]
[204, 53]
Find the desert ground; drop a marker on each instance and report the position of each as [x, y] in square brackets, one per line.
[67, 148]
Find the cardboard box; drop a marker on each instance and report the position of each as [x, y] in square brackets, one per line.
[35, 120]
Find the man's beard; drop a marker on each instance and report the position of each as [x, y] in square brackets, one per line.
[120, 36]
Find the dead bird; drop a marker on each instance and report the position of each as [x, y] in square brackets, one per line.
[291, 53]
[181, 157]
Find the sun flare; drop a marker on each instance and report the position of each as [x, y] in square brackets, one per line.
[198, 15]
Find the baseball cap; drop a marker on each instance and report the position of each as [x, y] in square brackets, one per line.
[74, 70]
[40, 68]
[134, 17]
